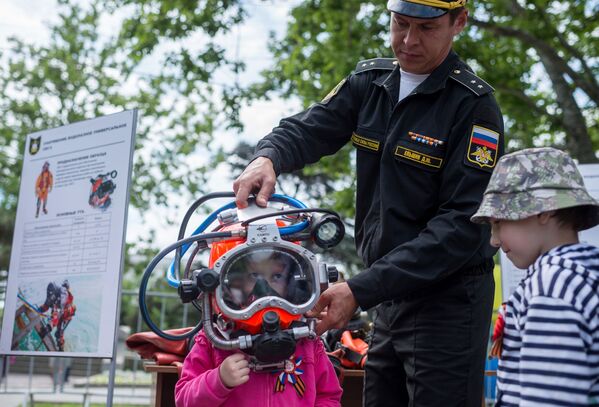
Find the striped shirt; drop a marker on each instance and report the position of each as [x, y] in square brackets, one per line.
[550, 351]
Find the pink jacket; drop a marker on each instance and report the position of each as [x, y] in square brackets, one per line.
[200, 383]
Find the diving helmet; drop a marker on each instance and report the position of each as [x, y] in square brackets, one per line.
[261, 281]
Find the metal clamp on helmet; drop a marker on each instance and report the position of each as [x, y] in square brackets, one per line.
[204, 280]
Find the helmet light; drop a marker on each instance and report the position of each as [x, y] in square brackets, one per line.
[327, 231]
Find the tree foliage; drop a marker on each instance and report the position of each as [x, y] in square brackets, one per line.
[542, 58]
[166, 56]
[539, 55]
[66, 81]
[80, 74]
[162, 61]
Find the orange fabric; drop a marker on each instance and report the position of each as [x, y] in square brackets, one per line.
[164, 358]
[351, 353]
[43, 184]
[357, 345]
[497, 338]
[68, 312]
[164, 352]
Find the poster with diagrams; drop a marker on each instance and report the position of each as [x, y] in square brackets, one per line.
[512, 275]
[68, 243]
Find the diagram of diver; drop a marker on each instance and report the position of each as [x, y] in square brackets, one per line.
[43, 186]
[59, 301]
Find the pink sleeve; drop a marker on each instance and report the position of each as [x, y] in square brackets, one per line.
[200, 384]
[328, 390]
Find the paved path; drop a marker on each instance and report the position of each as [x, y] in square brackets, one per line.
[14, 392]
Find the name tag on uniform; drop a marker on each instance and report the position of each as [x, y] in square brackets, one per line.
[365, 143]
[418, 157]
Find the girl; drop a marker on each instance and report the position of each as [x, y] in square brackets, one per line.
[213, 377]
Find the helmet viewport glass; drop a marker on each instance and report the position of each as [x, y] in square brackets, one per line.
[266, 272]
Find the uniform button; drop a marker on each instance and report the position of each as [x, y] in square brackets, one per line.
[457, 71]
[372, 63]
[395, 62]
[480, 86]
[473, 81]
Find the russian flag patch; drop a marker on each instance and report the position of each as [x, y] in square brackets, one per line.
[482, 148]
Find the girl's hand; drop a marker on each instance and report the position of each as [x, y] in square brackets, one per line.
[234, 370]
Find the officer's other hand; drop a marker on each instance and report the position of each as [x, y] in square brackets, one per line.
[259, 178]
[340, 305]
[234, 370]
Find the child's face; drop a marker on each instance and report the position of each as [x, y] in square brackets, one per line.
[521, 240]
[275, 272]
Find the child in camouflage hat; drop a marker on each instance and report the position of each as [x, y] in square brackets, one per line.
[536, 204]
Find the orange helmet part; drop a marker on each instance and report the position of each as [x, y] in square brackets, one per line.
[217, 249]
[253, 324]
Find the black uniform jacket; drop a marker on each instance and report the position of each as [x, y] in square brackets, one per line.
[422, 167]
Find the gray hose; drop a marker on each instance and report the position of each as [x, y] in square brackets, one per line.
[243, 342]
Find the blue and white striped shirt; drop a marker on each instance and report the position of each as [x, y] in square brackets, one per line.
[550, 351]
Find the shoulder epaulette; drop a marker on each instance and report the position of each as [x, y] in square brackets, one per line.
[376, 63]
[471, 81]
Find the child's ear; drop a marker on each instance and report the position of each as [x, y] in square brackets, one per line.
[545, 216]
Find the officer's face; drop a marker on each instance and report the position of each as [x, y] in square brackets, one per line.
[421, 44]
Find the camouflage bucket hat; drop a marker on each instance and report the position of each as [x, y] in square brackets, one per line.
[532, 181]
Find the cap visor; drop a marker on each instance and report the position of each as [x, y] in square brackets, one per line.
[414, 10]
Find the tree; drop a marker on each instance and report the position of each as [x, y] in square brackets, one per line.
[48, 86]
[154, 22]
[80, 75]
[540, 56]
[553, 37]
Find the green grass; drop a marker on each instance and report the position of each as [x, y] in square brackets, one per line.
[497, 301]
[121, 379]
[497, 275]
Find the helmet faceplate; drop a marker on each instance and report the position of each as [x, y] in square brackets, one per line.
[269, 274]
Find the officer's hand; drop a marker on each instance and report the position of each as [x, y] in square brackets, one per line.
[340, 305]
[234, 370]
[259, 178]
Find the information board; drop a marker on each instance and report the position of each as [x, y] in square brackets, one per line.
[68, 243]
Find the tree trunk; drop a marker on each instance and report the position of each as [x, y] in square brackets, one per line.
[578, 139]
